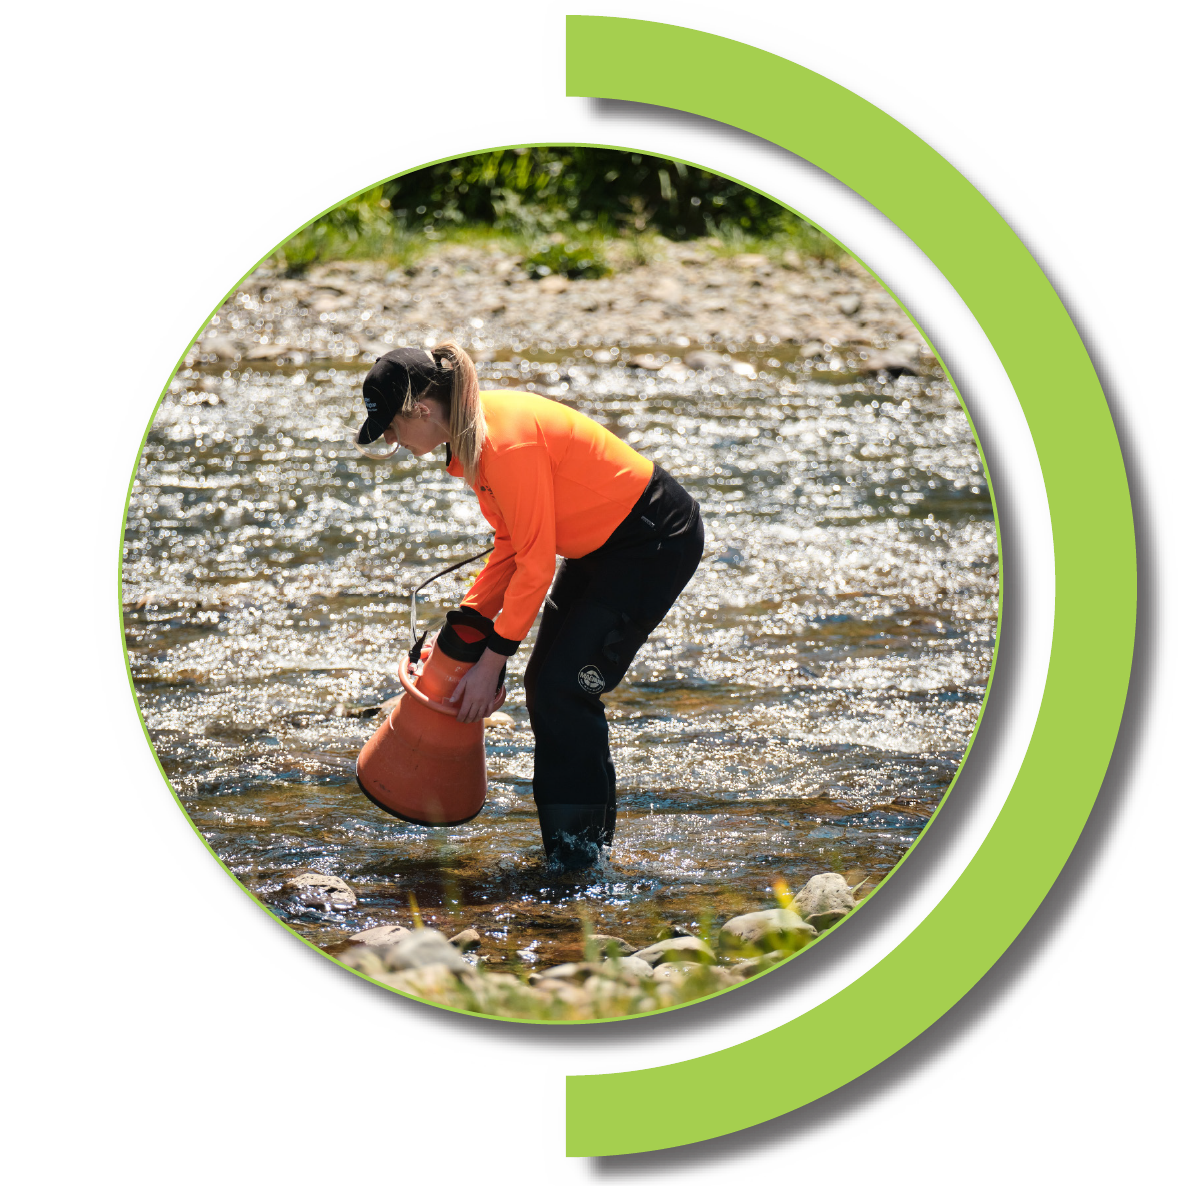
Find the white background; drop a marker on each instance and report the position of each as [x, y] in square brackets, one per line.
[162, 1029]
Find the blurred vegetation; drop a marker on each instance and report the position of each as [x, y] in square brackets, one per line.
[577, 260]
[575, 198]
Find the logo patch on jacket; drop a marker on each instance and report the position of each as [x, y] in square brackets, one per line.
[591, 680]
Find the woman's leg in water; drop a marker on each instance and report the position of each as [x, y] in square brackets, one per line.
[599, 613]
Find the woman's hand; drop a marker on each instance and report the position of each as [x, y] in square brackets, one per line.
[477, 690]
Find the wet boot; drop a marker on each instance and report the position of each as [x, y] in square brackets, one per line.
[573, 833]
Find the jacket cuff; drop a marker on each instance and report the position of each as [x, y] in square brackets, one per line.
[486, 623]
[501, 646]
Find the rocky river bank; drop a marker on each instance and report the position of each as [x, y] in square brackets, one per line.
[613, 977]
[682, 297]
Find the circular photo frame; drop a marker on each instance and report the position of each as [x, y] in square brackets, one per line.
[784, 741]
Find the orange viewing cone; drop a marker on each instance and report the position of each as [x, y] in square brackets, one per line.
[422, 765]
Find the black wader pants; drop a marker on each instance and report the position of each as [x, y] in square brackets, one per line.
[599, 612]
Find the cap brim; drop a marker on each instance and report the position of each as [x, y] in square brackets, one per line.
[370, 431]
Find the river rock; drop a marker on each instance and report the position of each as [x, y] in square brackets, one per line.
[380, 936]
[686, 947]
[433, 982]
[331, 304]
[767, 928]
[500, 993]
[703, 360]
[675, 971]
[668, 289]
[466, 940]
[571, 971]
[499, 720]
[647, 362]
[849, 304]
[629, 966]
[825, 900]
[605, 991]
[747, 968]
[322, 890]
[559, 989]
[602, 942]
[725, 977]
[899, 359]
[422, 948]
[268, 350]
[225, 348]
[367, 960]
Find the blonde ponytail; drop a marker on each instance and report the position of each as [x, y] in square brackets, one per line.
[467, 423]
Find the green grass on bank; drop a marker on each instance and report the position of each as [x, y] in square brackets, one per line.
[400, 246]
[596, 206]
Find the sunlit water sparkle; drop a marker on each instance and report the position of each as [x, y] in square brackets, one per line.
[803, 708]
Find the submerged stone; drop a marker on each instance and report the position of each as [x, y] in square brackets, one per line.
[380, 936]
[322, 890]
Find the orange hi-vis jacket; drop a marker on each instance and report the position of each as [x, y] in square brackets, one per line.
[551, 482]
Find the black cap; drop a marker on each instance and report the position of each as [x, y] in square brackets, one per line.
[386, 387]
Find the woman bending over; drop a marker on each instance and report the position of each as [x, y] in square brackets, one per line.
[550, 482]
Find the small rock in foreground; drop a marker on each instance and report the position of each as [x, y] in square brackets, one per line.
[748, 968]
[577, 972]
[683, 970]
[825, 900]
[601, 944]
[767, 928]
[629, 965]
[422, 948]
[380, 936]
[686, 947]
[466, 940]
[431, 981]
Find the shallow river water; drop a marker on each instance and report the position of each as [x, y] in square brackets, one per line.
[802, 709]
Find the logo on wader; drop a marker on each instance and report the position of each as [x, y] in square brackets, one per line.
[591, 680]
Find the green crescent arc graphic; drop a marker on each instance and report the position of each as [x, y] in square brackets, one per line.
[1095, 580]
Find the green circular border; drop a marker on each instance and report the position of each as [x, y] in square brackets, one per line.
[455, 1009]
[1095, 584]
